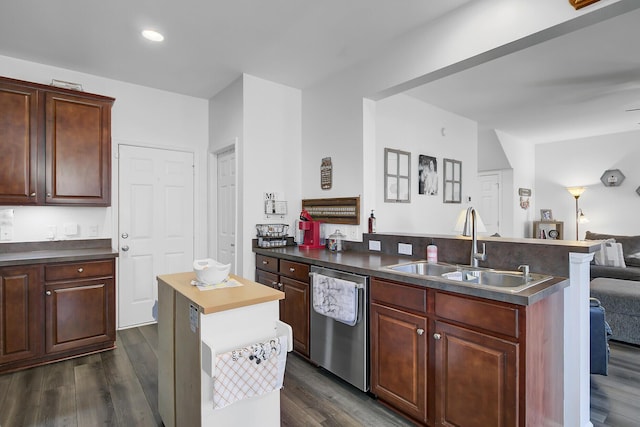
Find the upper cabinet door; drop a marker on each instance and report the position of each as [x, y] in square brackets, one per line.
[19, 145]
[78, 150]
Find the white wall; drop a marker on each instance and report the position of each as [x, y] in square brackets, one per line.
[140, 116]
[333, 109]
[407, 124]
[581, 162]
[266, 118]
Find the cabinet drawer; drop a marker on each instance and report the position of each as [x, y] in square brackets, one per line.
[295, 270]
[478, 314]
[266, 278]
[267, 263]
[78, 270]
[399, 295]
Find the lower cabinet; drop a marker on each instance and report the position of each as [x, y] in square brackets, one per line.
[446, 359]
[55, 311]
[292, 278]
[20, 313]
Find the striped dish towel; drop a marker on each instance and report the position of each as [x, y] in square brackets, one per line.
[250, 371]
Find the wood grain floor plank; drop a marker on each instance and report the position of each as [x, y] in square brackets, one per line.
[129, 401]
[150, 333]
[93, 398]
[22, 398]
[145, 364]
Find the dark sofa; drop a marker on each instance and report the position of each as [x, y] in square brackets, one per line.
[630, 247]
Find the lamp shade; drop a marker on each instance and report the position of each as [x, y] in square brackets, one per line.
[462, 217]
[576, 191]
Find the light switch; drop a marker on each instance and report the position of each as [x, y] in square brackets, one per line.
[70, 229]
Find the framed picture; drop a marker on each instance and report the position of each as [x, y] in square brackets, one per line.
[546, 215]
[427, 175]
[452, 191]
[397, 176]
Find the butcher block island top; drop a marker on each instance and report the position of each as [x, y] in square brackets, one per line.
[217, 300]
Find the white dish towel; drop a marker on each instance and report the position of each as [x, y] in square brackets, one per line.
[335, 298]
[250, 371]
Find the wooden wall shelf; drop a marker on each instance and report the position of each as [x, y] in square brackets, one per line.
[344, 210]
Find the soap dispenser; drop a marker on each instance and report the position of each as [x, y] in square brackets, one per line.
[372, 223]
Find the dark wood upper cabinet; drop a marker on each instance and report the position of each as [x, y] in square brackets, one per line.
[55, 144]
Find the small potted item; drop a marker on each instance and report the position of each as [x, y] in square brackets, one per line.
[334, 242]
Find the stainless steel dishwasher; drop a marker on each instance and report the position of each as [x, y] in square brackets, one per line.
[339, 342]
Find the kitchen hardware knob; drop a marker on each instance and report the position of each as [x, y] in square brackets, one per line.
[264, 262]
[125, 248]
[48, 292]
[32, 195]
[280, 285]
[80, 270]
[291, 269]
[420, 331]
[437, 336]
[274, 284]
[125, 235]
[48, 194]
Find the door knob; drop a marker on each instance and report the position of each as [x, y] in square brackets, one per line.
[125, 248]
[124, 235]
[436, 336]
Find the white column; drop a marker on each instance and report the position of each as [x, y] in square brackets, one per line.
[577, 342]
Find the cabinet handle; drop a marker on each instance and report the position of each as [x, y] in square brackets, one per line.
[48, 292]
[48, 194]
[32, 195]
[264, 262]
[280, 285]
[436, 336]
[420, 331]
[80, 270]
[274, 284]
[291, 269]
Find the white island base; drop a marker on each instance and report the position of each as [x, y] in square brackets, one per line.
[223, 319]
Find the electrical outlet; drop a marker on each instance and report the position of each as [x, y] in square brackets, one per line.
[93, 230]
[51, 232]
[6, 232]
[374, 245]
[405, 249]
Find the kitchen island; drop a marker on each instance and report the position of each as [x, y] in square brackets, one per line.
[193, 326]
[502, 355]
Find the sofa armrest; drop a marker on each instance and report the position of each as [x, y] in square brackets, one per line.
[628, 273]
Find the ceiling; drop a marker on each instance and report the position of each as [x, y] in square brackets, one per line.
[208, 44]
[576, 85]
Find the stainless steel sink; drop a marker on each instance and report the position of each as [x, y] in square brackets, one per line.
[506, 281]
[423, 268]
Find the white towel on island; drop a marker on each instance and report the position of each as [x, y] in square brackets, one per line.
[250, 371]
[335, 298]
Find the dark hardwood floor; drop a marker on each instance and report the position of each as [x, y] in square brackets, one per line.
[119, 388]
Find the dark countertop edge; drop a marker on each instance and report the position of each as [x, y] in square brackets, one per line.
[61, 255]
[328, 259]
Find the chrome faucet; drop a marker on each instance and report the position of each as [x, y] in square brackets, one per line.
[471, 222]
[525, 271]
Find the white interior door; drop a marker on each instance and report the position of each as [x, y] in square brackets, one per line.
[490, 201]
[226, 207]
[155, 226]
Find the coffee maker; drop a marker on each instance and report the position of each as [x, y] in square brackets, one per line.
[311, 230]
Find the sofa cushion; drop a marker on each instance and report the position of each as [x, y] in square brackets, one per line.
[610, 253]
[630, 244]
[633, 260]
[629, 273]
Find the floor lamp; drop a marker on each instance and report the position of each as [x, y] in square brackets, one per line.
[576, 192]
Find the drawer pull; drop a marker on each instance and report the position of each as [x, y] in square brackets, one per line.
[32, 195]
[80, 270]
[280, 285]
[437, 336]
[291, 269]
[420, 331]
[48, 292]
[274, 284]
[264, 262]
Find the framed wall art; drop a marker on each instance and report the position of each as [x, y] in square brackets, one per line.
[397, 176]
[452, 190]
[427, 175]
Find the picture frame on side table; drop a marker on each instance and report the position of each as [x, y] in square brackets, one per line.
[546, 215]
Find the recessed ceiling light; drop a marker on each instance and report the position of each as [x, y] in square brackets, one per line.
[152, 35]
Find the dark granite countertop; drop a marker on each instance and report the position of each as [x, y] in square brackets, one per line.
[372, 263]
[55, 251]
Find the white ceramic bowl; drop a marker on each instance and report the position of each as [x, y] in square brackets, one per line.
[210, 271]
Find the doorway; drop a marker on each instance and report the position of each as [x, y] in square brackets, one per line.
[156, 225]
[224, 195]
[491, 201]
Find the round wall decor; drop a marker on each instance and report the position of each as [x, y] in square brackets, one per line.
[612, 178]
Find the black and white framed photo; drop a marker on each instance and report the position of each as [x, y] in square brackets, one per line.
[427, 175]
[546, 215]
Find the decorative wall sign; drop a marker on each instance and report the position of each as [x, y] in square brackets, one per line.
[579, 4]
[612, 178]
[524, 194]
[326, 173]
[397, 176]
[452, 192]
